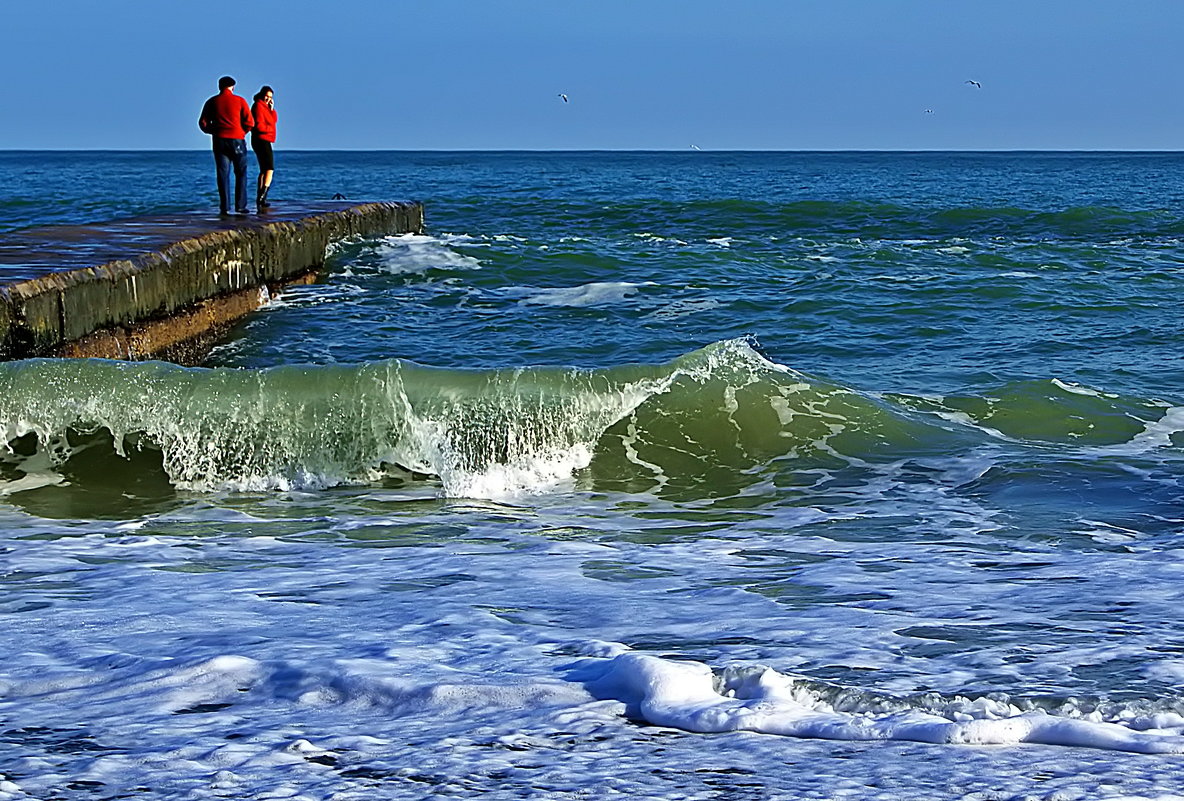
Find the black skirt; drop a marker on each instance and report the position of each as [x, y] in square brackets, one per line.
[263, 152]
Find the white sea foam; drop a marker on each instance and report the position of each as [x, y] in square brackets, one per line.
[1079, 389]
[481, 655]
[905, 279]
[456, 239]
[600, 293]
[1156, 434]
[657, 239]
[417, 253]
[38, 472]
[218, 691]
[31, 481]
[964, 419]
[688, 695]
[1104, 532]
[313, 295]
[534, 474]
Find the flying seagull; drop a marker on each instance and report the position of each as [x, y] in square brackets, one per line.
[694, 147]
[975, 84]
[563, 96]
[928, 111]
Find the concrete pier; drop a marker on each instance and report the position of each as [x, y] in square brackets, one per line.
[165, 286]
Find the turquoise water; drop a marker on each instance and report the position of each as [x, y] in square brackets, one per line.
[523, 506]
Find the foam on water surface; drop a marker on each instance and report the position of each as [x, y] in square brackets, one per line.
[690, 696]
[253, 654]
[418, 253]
[595, 294]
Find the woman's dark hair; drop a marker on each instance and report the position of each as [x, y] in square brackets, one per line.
[262, 93]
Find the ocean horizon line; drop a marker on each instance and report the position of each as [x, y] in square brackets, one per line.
[687, 151]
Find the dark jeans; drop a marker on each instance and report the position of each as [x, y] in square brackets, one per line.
[228, 152]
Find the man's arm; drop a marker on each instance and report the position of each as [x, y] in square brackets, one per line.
[204, 120]
[248, 120]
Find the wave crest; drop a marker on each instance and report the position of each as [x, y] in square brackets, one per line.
[486, 433]
[713, 420]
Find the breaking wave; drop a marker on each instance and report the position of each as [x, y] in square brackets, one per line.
[704, 418]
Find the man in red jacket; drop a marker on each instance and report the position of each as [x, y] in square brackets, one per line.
[227, 119]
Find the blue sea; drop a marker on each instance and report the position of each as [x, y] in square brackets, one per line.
[735, 475]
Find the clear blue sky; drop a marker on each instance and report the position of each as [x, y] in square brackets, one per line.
[640, 74]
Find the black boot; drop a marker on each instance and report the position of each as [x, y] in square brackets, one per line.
[261, 198]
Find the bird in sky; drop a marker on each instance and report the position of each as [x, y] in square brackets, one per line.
[928, 111]
[695, 147]
[563, 96]
[975, 84]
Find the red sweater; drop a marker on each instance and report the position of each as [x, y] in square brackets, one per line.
[265, 117]
[226, 115]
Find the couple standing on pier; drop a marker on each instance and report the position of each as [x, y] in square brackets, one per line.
[227, 119]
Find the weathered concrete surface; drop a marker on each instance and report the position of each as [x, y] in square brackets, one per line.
[146, 287]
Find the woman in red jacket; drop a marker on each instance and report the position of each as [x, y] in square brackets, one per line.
[262, 137]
